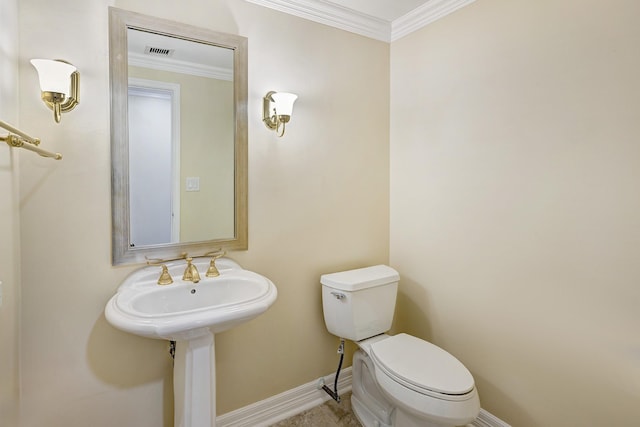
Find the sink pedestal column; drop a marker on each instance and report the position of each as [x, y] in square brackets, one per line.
[194, 382]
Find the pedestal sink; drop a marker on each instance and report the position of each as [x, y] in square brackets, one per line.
[190, 314]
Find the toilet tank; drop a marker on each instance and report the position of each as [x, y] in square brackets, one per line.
[359, 304]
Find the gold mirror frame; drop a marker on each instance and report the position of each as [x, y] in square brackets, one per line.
[119, 22]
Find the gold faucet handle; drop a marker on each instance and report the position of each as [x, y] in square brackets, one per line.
[165, 277]
[213, 270]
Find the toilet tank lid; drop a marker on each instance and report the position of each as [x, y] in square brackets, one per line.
[361, 278]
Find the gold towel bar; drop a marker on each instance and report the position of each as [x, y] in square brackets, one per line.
[17, 138]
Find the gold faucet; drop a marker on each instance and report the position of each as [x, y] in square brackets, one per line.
[213, 270]
[191, 272]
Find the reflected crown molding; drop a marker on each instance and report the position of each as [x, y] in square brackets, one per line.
[182, 67]
[332, 14]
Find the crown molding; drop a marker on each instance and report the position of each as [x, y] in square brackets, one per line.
[325, 12]
[424, 15]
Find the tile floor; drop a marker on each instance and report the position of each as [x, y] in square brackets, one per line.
[329, 414]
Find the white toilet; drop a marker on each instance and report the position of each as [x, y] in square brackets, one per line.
[398, 380]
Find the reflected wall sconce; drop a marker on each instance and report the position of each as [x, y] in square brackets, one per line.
[59, 85]
[276, 110]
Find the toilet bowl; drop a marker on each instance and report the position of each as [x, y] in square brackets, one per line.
[427, 385]
[398, 380]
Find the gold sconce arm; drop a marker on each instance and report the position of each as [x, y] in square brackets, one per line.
[269, 120]
[59, 85]
[59, 103]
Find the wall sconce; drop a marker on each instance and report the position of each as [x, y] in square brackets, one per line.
[276, 110]
[59, 83]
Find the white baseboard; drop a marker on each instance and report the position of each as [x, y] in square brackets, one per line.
[285, 405]
[307, 396]
[485, 419]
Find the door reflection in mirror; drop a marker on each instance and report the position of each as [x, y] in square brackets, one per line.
[154, 161]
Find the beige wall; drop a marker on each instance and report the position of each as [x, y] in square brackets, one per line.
[318, 202]
[515, 215]
[515, 210]
[9, 222]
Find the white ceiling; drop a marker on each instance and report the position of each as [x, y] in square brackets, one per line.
[385, 20]
[389, 10]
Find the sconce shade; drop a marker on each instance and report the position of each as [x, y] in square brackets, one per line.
[54, 75]
[59, 85]
[277, 108]
[284, 103]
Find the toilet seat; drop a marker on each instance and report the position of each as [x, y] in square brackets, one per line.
[422, 367]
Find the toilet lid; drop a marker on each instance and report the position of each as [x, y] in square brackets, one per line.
[421, 365]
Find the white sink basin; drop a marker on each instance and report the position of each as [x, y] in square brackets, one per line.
[184, 310]
[190, 314]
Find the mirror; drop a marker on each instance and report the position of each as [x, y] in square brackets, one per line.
[178, 138]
